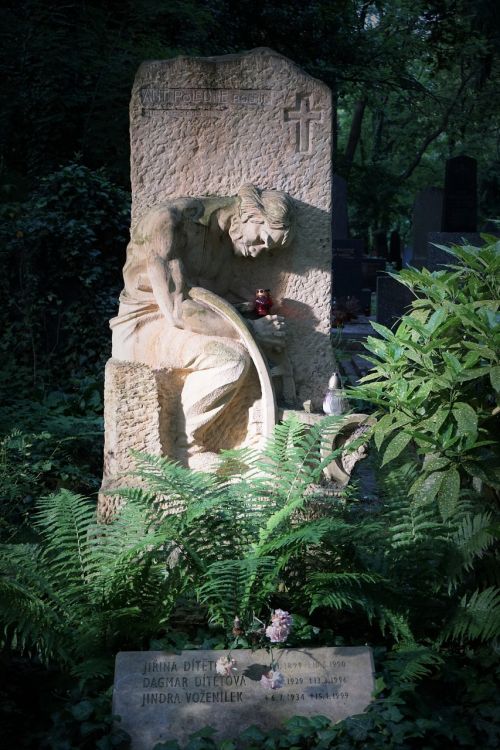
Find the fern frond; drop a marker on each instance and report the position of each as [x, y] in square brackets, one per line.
[31, 612]
[477, 618]
[395, 622]
[473, 537]
[410, 662]
[309, 533]
[339, 590]
[226, 591]
[174, 482]
[94, 668]
[293, 459]
[64, 521]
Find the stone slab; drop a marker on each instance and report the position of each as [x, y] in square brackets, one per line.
[370, 269]
[162, 696]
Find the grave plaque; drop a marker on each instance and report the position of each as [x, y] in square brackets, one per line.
[371, 268]
[161, 696]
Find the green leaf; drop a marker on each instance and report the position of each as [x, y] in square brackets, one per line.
[382, 428]
[495, 377]
[437, 317]
[382, 330]
[395, 447]
[252, 734]
[453, 363]
[466, 418]
[448, 493]
[435, 463]
[377, 347]
[82, 710]
[426, 487]
[387, 424]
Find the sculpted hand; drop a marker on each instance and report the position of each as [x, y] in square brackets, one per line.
[270, 331]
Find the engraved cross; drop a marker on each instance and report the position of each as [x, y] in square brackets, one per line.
[302, 116]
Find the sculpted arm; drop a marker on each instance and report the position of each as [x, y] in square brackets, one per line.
[165, 267]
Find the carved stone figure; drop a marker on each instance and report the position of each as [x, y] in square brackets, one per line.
[185, 244]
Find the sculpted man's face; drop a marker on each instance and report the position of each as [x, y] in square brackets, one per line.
[251, 238]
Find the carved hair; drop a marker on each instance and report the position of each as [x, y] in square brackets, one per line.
[272, 206]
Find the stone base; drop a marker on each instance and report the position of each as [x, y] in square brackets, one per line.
[142, 412]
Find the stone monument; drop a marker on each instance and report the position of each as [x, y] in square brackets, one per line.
[230, 160]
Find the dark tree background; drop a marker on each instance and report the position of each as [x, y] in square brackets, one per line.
[414, 82]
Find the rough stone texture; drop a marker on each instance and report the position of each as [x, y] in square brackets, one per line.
[205, 126]
[162, 696]
[139, 404]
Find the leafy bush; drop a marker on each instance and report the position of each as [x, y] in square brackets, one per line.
[63, 252]
[436, 377]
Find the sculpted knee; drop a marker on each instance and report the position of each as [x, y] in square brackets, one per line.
[227, 353]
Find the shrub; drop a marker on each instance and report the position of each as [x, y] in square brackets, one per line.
[436, 377]
[62, 256]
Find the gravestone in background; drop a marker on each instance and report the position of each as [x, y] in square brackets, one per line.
[371, 268]
[347, 277]
[427, 215]
[162, 696]
[395, 250]
[393, 299]
[380, 244]
[340, 216]
[459, 221]
[460, 195]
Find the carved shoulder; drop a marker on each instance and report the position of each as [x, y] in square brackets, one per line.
[163, 219]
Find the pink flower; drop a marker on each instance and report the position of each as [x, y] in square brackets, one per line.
[279, 629]
[224, 666]
[273, 679]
